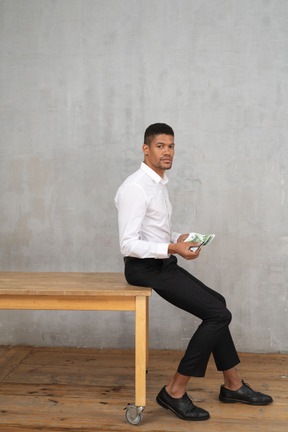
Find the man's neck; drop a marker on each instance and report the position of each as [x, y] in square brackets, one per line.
[158, 171]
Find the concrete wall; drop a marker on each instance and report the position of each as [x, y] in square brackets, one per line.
[80, 81]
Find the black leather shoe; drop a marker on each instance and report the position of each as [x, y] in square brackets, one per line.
[244, 395]
[183, 407]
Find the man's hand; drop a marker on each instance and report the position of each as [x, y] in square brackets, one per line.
[182, 248]
[182, 237]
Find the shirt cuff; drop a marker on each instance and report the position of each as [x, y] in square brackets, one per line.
[174, 237]
[162, 251]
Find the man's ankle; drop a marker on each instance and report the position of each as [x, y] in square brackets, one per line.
[233, 386]
[175, 393]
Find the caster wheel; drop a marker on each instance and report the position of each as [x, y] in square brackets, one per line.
[133, 416]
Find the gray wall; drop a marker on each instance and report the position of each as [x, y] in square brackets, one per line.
[80, 81]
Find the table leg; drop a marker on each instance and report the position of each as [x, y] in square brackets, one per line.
[141, 337]
[147, 333]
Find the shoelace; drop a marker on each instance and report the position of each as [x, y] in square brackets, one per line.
[258, 395]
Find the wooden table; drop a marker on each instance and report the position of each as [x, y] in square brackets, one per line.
[87, 292]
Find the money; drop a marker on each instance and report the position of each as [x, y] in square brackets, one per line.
[204, 239]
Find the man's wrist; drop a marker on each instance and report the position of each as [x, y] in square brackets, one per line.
[172, 248]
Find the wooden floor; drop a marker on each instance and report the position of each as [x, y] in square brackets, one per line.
[85, 390]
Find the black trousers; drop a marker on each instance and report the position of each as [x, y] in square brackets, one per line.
[183, 290]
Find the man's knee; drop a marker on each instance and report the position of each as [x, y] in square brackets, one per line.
[221, 318]
[227, 316]
[222, 299]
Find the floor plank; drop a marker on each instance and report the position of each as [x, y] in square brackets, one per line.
[85, 390]
[11, 358]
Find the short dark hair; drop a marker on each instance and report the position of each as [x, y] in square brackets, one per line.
[157, 129]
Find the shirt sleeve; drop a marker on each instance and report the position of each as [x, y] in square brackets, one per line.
[174, 236]
[131, 203]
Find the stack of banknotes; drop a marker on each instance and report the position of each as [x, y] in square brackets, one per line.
[204, 239]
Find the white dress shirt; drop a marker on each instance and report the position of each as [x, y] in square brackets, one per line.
[144, 215]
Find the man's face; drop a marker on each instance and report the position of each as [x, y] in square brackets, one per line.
[159, 155]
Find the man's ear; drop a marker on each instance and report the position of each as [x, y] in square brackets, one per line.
[145, 149]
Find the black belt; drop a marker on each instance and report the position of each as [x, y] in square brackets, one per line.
[128, 258]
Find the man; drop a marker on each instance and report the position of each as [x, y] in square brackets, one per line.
[149, 247]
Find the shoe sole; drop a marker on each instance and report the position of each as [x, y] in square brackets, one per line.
[164, 405]
[228, 400]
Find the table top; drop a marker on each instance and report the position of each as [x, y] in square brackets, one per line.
[68, 283]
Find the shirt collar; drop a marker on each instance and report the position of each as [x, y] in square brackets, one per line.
[151, 173]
